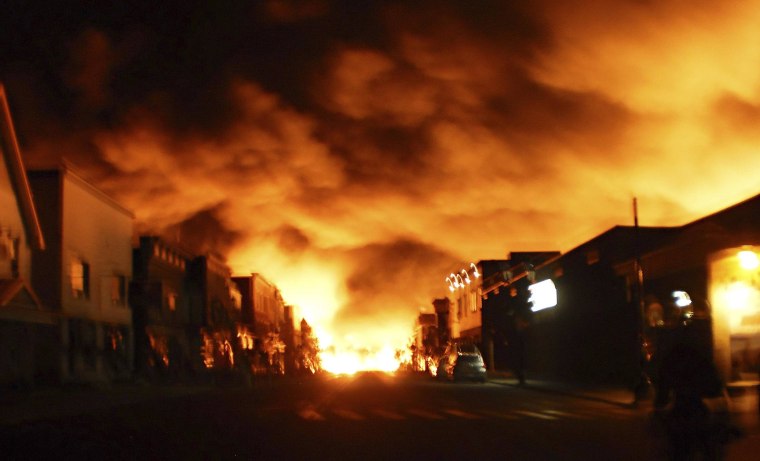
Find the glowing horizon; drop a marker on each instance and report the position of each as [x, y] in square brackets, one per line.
[355, 176]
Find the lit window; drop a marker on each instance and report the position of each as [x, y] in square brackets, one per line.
[171, 300]
[80, 279]
[118, 290]
[7, 248]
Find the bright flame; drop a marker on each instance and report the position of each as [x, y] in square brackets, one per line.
[313, 284]
[350, 361]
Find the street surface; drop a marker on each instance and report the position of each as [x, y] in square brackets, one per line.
[368, 416]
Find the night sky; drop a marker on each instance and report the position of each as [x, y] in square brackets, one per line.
[355, 152]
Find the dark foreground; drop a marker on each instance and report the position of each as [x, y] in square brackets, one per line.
[370, 416]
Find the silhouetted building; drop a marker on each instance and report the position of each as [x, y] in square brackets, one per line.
[215, 296]
[167, 331]
[707, 274]
[29, 335]
[263, 314]
[290, 337]
[263, 307]
[442, 309]
[584, 324]
[84, 272]
[465, 322]
[504, 291]
[426, 346]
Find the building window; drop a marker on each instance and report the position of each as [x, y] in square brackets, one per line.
[80, 279]
[9, 250]
[171, 300]
[236, 297]
[592, 257]
[118, 290]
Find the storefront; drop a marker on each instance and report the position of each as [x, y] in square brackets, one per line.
[734, 294]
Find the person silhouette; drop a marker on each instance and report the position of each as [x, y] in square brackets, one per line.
[686, 376]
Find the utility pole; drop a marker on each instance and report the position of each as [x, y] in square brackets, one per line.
[642, 387]
[639, 270]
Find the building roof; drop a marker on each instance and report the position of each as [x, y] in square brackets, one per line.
[69, 171]
[10, 288]
[19, 303]
[12, 156]
[427, 319]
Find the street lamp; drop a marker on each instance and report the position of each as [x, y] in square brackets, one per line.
[466, 276]
[462, 278]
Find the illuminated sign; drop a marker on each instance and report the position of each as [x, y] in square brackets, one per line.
[681, 298]
[543, 295]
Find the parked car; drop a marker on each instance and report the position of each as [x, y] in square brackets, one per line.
[462, 362]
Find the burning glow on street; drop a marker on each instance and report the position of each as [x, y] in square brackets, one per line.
[350, 361]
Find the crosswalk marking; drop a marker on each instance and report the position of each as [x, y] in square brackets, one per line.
[387, 414]
[348, 414]
[310, 414]
[499, 414]
[534, 414]
[565, 414]
[424, 413]
[461, 414]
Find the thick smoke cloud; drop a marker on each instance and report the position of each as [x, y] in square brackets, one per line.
[354, 152]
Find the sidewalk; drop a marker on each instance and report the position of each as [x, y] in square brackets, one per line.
[70, 400]
[744, 400]
[612, 395]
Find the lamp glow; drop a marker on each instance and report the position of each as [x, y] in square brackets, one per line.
[748, 260]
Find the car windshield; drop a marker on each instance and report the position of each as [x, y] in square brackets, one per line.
[470, 358]
[468, 349]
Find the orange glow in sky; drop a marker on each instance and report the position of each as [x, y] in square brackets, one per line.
[355, 176]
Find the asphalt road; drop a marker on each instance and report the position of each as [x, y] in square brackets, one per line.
[368, 416]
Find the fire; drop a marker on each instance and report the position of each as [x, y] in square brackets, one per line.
[350, 361]
[314, 286]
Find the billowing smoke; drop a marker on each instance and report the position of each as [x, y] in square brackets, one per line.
[352, 153]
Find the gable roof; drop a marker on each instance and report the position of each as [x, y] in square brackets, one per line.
[19, 303]
[11, 289]
[12, 157]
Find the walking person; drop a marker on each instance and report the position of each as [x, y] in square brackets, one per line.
[686, 377]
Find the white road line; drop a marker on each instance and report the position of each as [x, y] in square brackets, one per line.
[534, 414]
[565, 414]
[461, 414]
